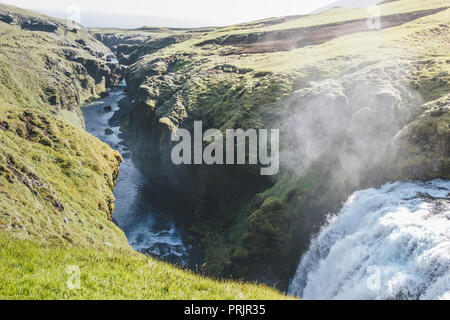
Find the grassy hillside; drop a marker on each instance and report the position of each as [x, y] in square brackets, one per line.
[56, 181]
[356, 107]
[30, 270]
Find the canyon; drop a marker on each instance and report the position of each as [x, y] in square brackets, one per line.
[355, 109]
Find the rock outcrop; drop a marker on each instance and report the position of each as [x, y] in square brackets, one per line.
[56, 181]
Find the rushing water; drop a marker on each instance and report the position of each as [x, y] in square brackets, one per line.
[148, 230]
[391, 243]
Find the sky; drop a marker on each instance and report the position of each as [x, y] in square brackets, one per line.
[169, 13]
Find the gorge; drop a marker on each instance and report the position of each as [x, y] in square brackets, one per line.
[354, 112]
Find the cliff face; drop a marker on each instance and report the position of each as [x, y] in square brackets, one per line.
[52, 64]
[54, 176]
[354, 111]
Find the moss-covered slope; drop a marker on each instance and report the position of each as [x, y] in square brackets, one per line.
[56, 181]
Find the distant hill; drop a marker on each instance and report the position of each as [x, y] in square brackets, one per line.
[349, 4]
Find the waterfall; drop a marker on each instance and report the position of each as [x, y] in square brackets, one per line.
[390, 243]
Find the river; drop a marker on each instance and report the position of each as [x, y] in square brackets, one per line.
[148, 229]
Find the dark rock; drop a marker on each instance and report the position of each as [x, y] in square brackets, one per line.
[28, 23]
[104, 94]
[110, 57]
[108, 131]
[88, 49]
[127, 49]
[107, 108]
[81, 42]
[262, 74]
[4, 125]
[438, 112]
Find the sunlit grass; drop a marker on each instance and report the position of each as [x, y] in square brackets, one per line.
[30, 270]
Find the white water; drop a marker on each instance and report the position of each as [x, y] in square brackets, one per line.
[391, 243]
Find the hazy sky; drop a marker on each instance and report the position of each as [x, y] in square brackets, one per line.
[128, 13]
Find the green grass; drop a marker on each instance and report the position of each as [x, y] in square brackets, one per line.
[34, 70]
[30, 270]
[38, 240]
[57, 180]
[237, 95]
